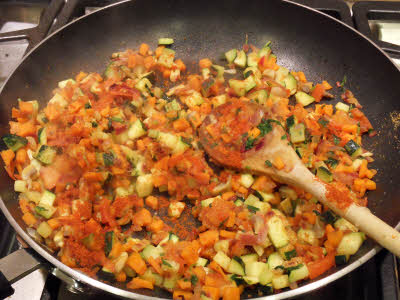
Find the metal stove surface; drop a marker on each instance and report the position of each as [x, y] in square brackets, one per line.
[376, 279]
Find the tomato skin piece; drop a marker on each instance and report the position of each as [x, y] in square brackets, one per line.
[318, 92]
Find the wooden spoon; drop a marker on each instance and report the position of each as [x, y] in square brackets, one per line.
[221, 134]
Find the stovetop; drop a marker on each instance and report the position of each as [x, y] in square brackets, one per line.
[376, 279]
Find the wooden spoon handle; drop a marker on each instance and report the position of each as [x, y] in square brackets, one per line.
[361, 217]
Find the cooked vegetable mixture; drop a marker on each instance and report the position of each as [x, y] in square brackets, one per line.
[113, 178]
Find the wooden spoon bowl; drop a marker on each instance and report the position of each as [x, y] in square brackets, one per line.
[224, 136]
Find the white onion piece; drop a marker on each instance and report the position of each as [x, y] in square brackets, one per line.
[279, 91]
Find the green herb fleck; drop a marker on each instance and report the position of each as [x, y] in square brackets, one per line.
[323, 122]
[268, 163]
[284, 137]
[164, 262]
[332, 162]
[108, 159]
[193, 280]
[87, 105]
[249, 143]
[336, 140]
[94, 124]
[290, 254]
[252, 208]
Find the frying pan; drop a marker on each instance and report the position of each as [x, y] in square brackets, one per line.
[302, 39]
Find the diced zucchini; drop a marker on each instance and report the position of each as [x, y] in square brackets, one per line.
[231, 55]
[280, 281]
[14, 142]
[59, 99]
[238, 202]
[173, 238]
[324, 174]
[253, 201]
[287, 192]
[170, 282]
[144, 185]
[173, 105]
[63, 84]
[252, 59]
[259, 96]
[207, 202]
[166, 58]
[350, 243]
[109, 240]
[175, 209]
[303, 98]
[120, 262]
[151, 251]
[353, 149]
[240, 59]
[47, 199]
[136, 130]
[220, 70]
[297, 133]
[343, 225]
[307, 236]
[180, 146]
[239, 86]
[290, 83]
[277, 232]
[286, 206]
[246, 180]
[250, 83]
[144, 85]
[33, 196]
[201, 262]
[42, 136]
[259, 249]
[129, 271]
[298, 274]
[256, 268]
[222, 245]
[46, 154]
[274, 260]
[264, 51]
[287, 253]
[222, 259]
[251, 280]
[45, 211]
[249, 258]
[20, 186]
[343, 107]
[165, 41]
[153, 277]
[194, 99]
[44, 230]
[235, 267]
[267, 197]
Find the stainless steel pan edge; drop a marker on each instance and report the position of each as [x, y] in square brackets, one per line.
[124, 293]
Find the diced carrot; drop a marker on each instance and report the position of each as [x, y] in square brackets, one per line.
[335, 237]
[132, 60]
[159, 51]
[278, 163]
[231, 220]
[328, 110]
[184, 285]
[194, 82]
[156, 225]
[319, 267]
[148, 62]
[26, 107]
[329, 228]
[80, 76]
[217, 268]
[7, 156]
[227, 234]
[22, 156]
[318, 92]
[142, 217]
[205, 63]
[181, 124]
[29, 219]
[179, 295]
[200, 273]
[54, 223]
[155, 264]
[181, 66]
[121, 276]
[208, 238]
[136, 262]
[231, 293]
[152, 202]
[116, 250]
[228, 195]
[143, 49]
[138, 283]
[255, 132]
[190, 253]
[211, 292]
[310, 217]
[326, 85]
[93, 176]
[302, 77]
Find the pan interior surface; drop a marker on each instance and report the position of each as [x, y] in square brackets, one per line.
[301, 38]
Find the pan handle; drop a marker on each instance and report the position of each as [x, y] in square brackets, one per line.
[15, 266]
